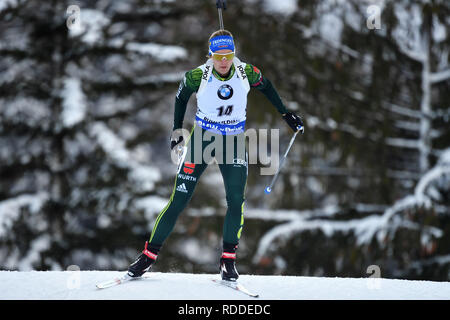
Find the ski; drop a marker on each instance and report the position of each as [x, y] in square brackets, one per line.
[117, 281]
[236, 286]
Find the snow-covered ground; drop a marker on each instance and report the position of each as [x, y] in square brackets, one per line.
[80, 285]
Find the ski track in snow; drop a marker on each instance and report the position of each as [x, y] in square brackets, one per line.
[80, 285]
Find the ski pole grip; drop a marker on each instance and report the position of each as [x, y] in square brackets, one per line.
[221, 4]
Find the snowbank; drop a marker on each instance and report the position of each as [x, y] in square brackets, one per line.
[80, 285]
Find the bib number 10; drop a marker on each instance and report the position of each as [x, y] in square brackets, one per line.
[225, 111]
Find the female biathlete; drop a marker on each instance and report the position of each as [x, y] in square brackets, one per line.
[221, 86]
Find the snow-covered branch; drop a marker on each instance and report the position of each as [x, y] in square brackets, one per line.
[10, 209]
[402, 143]
[402, 110]
[145, 176]
[408, 175]
[162, 53]
[74, 102]
[8, 4]
[170, 77]
[442, 168]
[329, 125]
[440, 76]
[89, 26]
[441, 113]
[439, 260]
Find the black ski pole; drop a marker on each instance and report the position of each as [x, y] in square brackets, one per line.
[268, 189]
[221, 4]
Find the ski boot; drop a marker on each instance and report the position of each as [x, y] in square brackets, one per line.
[143, 263]
[228, 270]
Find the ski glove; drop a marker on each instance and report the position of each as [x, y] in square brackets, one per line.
[174, 142]
[294, 121]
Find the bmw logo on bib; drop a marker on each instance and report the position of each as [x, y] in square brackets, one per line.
[225, 92]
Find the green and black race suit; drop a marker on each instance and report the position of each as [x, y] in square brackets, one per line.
[234, 171]
[192, 80]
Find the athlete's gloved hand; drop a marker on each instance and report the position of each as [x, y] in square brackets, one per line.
[294, 121]
[175, 141]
